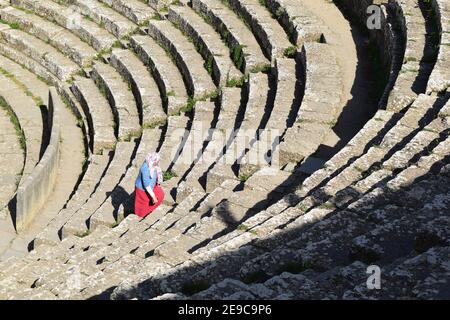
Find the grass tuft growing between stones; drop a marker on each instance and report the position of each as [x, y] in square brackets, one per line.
[155, 124]
[290, 52]
[244, 177]
[167, 175]
[237, 55]
[236, 82]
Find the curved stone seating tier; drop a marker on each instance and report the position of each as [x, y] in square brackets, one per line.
[108, 18]
[188, 60]
[258, 89]
[208, 42]
[408, 125]
[419, 56]
[299, 22]
[12, 158]
[29, 116]
[120, 98]
[271, 36]
[230, 227]
[196, 229]
[285, 105]
[230, 103]
[121, 202]
[78, 223]
[201, 123]
[128, 263]
[339, 240]
[98, 113]
[135, 10]
[372, 133]
[144, 87]
[174, 139]
[46, 55]
[322, 102]
[422, 143]
[30, 64]
[245, 50]
[58, 37]
[35, 189]
[38, 88]
[193, 144]
[315, 255]
[440, 76]
[164, 71]
[95, 171]
[71, 19]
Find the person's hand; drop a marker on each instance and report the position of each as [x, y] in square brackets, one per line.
[155, 200]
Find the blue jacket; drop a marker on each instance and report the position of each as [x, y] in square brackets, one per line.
[144, 180]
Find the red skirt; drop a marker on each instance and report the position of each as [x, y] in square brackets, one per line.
[143, 205]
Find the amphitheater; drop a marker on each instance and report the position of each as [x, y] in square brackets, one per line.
[303, 142]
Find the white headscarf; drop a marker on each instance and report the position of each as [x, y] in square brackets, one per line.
[152, 158]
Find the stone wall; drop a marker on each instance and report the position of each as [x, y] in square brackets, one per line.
[37, 187]
[389, 43]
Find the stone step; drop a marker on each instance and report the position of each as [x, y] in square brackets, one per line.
[419, 55]
[36, 86]
[309, 256]
[45, 54]
[208, 203]
[12, 159]
[255, 196]
[29, 118]
[371, 134]
[71, 19]
[98, 112]
[58, 37]
[77, 224]
[120, 98]
[394, 138]
[299, 22]
[246, 52]
[268, 225]
[29, 64]
[188, 60]
[258, 90]
[320, 107]
[120, 202]
[106, 17]
[129, 242]
[92, 177]
[284, 105]
[210, 46]
[181, 210]
[266, 29]
[135, 10]
[432, 162]
[421, 278]
[439, 78]
[142, 84]
[164, 71]
[174, 139]
[202, 121]
[230, 105]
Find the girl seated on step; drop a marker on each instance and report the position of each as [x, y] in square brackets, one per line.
[148, 192]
